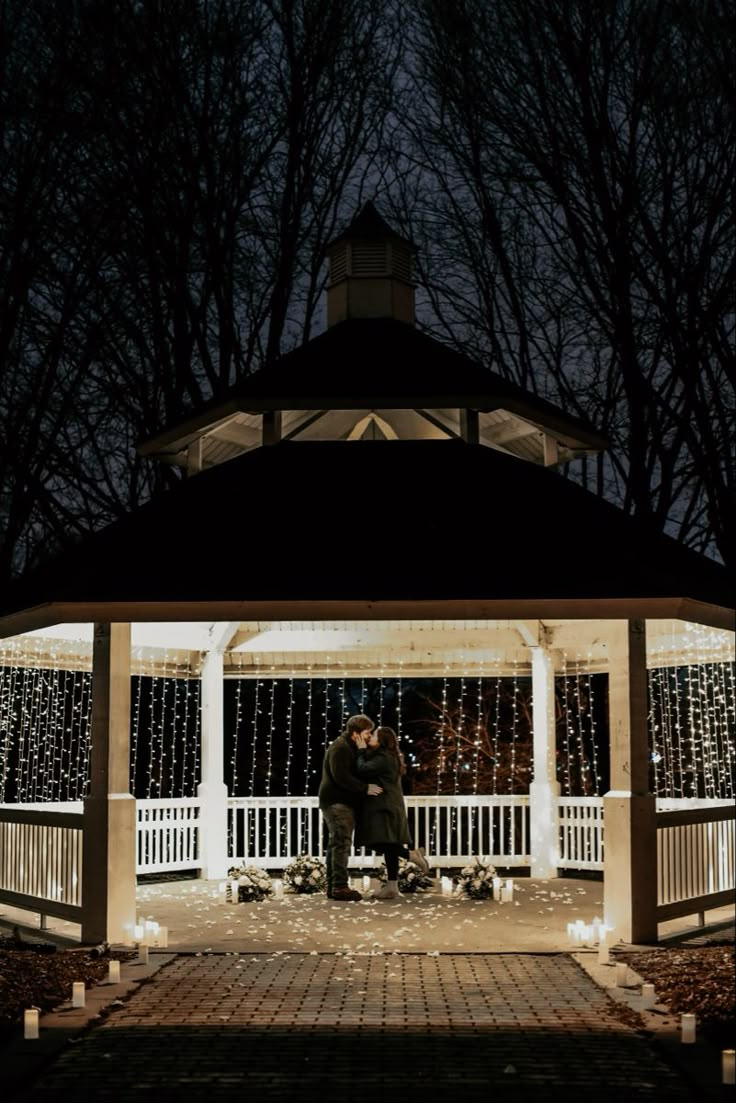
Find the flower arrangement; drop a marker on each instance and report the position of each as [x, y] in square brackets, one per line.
[305, 874]
[476, 880]
[411, 878]
[253, 883]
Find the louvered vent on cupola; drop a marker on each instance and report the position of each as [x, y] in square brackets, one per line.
[371, 272]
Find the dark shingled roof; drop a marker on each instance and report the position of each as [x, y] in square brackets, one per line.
[369, 225]
[442, 520]
[381, 363]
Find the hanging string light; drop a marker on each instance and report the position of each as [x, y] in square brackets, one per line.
[309, 771]
[289, 732]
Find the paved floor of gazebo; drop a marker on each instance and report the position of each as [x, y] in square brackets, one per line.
[199, 919]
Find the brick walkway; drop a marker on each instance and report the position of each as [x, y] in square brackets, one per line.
[309, 1026]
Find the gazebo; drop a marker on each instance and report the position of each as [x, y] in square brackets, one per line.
[373, 501]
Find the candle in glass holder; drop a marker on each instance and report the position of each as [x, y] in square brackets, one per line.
[687, 1027]
[30, 1023]
[728, 1066]
[113, 971]
[78, 993]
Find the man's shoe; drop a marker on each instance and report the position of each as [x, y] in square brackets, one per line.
[345, 893]
[417, 857]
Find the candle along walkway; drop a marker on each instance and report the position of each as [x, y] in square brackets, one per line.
[286, 1025]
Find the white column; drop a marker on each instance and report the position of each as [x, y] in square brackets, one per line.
[109, 837]
[544, 789]
[629, 809]
[212, 790]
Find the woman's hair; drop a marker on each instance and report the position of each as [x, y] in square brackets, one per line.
[388, 742]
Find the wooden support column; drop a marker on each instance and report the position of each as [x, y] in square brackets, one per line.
[212, 790]
[544, 790]
[629, 809]
[469, 426]
[271, 426]
[109, 837]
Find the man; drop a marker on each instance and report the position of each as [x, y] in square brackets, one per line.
[341, 793]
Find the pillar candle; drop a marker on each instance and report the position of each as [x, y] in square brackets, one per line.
[648, 995]
[622, 974]
[113, 972]
[278, 888]
[234, 892]
[687, 1025]
[604, 954]
[30, 1023]
[366, 883]
[78, 993]
[728, 1066]
[143, 953]
[509, 886]
[446, 886]
[496, 888]
[162, 938]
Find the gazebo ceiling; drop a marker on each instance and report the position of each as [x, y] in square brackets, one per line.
[359, 648]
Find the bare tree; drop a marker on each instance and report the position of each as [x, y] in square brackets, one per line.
[573, 164]
[185, 165]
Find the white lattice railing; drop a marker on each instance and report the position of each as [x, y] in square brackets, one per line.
[580, 835]
[167, 834]
[41, 859]
[41, 844]
[695, 860]
[269, 831]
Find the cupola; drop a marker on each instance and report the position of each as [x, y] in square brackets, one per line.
[371, 271]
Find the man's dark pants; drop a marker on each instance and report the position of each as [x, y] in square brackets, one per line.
[340, 822]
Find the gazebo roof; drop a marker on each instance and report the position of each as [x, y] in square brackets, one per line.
[378, 364]
[372, 529]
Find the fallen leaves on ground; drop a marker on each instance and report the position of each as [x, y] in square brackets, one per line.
[696, 980]
[44, 980]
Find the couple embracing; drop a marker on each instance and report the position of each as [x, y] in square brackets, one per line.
[361, 795]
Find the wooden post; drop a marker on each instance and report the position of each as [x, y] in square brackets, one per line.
[544, 790]
[629, 809]
[469, 426]
[109, 837]
[212, 791]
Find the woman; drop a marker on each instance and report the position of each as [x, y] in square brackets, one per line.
[383, 824]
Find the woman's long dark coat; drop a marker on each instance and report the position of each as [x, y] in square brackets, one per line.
[382, 819]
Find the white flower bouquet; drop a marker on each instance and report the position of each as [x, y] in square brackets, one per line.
[305, 874]
[253, 883]
[476, 880]
[411, 878]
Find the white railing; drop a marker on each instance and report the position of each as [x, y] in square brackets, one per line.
[41, 860]
[41, 844]
[167, 834]
[580, 834]
[695, 860]
[270, 831]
